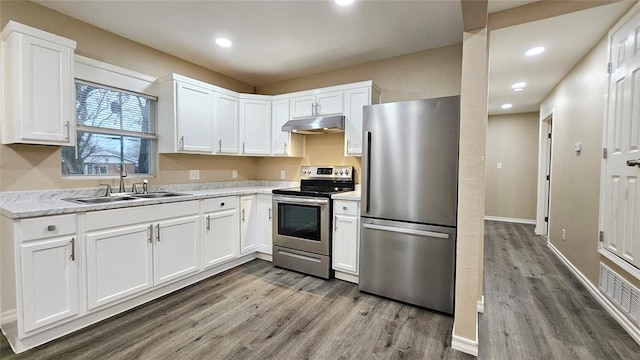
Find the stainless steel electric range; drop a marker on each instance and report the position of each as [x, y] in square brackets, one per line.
[302, 219]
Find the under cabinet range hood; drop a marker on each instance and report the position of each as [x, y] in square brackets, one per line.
[316, 125]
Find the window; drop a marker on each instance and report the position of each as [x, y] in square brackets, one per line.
[115, 128]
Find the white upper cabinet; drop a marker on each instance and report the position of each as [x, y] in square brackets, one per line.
[226, 123]
[284, 143]
[323, 103]
[38, 87]
[185, 116]
[255, 124]
[355, 100]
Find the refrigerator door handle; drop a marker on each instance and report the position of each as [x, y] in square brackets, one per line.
[367, 176]
[406, 231]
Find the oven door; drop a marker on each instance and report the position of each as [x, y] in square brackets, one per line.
[302, 223]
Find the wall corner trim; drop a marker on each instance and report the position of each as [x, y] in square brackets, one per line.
[510, 220]
[464, 345]
[8, 317]
[481, 305]
[626, 324]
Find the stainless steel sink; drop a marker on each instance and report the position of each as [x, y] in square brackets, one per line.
[160, 194]
[127, 197]
[101, 199]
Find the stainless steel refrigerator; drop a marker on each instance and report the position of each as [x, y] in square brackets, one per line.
[409, 201]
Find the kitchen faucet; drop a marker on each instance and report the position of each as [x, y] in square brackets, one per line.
[123, 174]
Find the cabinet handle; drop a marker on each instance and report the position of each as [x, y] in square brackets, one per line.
[220, 145]
[285, 148]
[158, 233]
[66, 125]
[73, 249]
[208, 222]
[243, 147]
[181, 145]
[269, 213]
[313, 108]
[242, 215]
[344, 208]
[221, 204]
[150, 234]
[317, 108]
[51, 228]
[335, 223]
[348, 143]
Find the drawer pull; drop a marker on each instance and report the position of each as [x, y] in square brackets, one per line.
[51, 228]
[221, 204]
[73, 249]
[344, 208]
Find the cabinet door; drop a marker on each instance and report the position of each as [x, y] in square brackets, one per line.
[355, 100]
[194, 112]
[302, 106]
[119, 263]
[47, 100]
[226, 124]
[345, 243]
[329, 103]
[49, 282]
[264, 231]
[248, 238]
[176, 248]
[255, 119]
[221, 240]
[279, 116]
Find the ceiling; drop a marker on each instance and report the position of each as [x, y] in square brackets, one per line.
[276, 40]
[280, 40]
[567, 39]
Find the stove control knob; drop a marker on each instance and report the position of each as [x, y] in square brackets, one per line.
[341, 171]
[346, 171]
[335, 172]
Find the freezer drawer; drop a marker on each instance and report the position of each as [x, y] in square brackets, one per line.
[408, 262]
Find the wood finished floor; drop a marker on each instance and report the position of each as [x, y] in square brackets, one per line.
[534, 309]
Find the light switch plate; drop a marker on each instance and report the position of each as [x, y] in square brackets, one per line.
[234, 174]
[499, 166]
[194, 174]
[283, 174]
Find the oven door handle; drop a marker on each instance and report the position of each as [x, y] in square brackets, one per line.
[301, 201]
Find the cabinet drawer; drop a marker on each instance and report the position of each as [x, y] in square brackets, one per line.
[48, 226]
[346, 207]
[221, 203]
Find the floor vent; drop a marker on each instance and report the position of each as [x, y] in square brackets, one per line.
[620, 292]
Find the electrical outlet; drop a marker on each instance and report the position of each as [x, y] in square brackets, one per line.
[283, 174]
[194, 174]
[499, 166]
[564, 234]
[234, 174]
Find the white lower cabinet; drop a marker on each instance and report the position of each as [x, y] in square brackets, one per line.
[264, 230]
[248, 236]
[221, 240]
[119, 263]
[49, 281]
[162, 246]
[176, 249]
[346, 236]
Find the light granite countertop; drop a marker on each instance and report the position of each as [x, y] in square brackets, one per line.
[26, 207]
[351, 195]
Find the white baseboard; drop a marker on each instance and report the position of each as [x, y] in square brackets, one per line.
[465, 345]
[263, 256]
[481, 305]
[628, 326]
[346, 277]
[511, 220]
[8, 316]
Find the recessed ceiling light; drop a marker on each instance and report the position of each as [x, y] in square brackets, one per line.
[519, 85]
[534, 51]
[518, 89]
[223, 42]
[506, 106]
[344, 2]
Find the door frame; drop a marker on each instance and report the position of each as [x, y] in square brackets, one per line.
[545, 153]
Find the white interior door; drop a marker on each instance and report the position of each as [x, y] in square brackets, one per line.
[621, 196]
